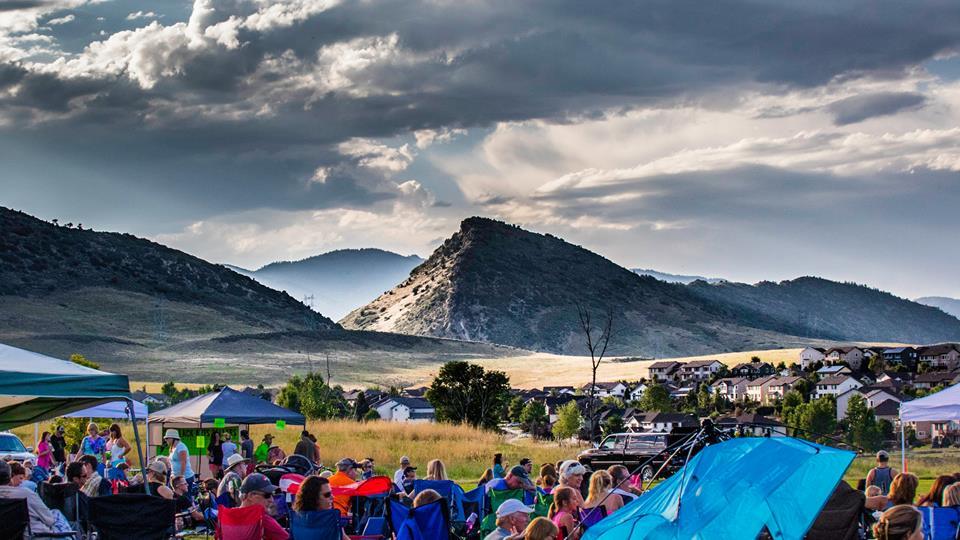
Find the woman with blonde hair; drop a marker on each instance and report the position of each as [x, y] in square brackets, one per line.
[951, 495]
[903, 489]
[426, 496]
[541, 528]
[436, 470]
[902, 522]
[600, 501]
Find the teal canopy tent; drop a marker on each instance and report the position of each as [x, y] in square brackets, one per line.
[35, 387]
[732, 490]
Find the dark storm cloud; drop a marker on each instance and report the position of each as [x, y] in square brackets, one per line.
[859, 108]
[245, 127]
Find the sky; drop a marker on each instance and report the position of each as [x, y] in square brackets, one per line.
[738, 139]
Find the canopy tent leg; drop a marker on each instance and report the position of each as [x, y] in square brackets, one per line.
[36, 437]
[903, 446]
[136, 437]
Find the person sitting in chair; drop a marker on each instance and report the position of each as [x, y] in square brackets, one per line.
[42, 519]
[315, 495]
[257, 490]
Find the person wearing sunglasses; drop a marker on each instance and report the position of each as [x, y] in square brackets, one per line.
[257, 490]
[185, 504]
[315, 494]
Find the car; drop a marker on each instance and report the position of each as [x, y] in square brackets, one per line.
[640, 453]
[11, 448]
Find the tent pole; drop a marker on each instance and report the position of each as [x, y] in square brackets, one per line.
[903, 446]
[136, 437]
[36, 436]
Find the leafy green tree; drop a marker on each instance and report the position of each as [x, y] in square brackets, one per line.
[876, 364]
[78, 358]
[372, 414]
[791, 400]
[656, 398]
[704, 399]
[815, 419]
[568, 421]
[887, 430]
[534, 419]
[465, 393]
[862, 428]
[313, 397]
[613, 424]
[515, 409]
[614, 402]
[360, 407]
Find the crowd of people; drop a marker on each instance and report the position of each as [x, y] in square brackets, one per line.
[99, 465]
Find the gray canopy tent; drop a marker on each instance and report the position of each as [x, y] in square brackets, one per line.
[226, 405]
[35, 387]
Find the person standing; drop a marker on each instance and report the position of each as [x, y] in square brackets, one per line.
[59, 445]
[45, 452]
[881, 475]
[246, 450]
[306, 447]
[215, 456]
[117, 448]
[229, 448]
[263, 451]
[94, 445]
[498, 466]
[180, 459]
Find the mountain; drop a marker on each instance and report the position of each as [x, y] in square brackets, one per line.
[339, 281]
[498, 283]
[673, 278]
[818, 307]
[948, 305]
[158, 314]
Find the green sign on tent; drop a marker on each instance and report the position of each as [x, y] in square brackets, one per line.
[219, 422]
[281, 424]
[201, 442]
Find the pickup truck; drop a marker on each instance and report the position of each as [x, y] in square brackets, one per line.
[633, 449]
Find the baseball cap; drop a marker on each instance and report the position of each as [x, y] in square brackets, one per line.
[512, 506]
[157, 467]
[518, 470]
[409, 469]
[404, 459]
[257, 482]
[348, 463]
[883, 456]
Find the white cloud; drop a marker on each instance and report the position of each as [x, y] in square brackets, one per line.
[62, 20]
[142, 15]
[375, 155]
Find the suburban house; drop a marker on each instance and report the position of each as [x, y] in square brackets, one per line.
[780, 386]
[606, 389]
[148, 398]
[944, 355]
[731, 388]
[660, 422]
[901, 356]
[699, 370]
[636, 393]
[662, 371]
[752, 370]
[557, 390]
[810, 356]
[554, 402]
[852, 356]
[753, 424]
[830, 371]
[926, 381]
[873, 397]
[405, 409]
[757, 389]
[889, 410]
[835, 385]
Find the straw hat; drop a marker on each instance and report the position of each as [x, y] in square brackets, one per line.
[172, 434]
[234, 460]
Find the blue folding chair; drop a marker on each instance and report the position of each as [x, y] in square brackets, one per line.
[376, 526]
[940, 523]
[447, 489]
[315, 525]
[429, 522]
[474, 501]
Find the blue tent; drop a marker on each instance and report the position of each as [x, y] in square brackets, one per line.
[731, 490]
[232, 406]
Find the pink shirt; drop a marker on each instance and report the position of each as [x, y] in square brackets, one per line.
[45, 461]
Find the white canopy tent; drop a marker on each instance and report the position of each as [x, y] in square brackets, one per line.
[942, 406]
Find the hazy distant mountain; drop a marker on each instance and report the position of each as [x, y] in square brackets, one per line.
[674, 278]
[949, 305]
[498, 283]
[843, 311]
[339, 281]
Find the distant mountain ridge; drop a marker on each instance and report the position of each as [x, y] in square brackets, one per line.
[948, 305]
[338, 281]
[498, 283]
[674, 278]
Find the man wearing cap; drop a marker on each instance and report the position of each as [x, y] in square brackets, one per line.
[257, 490]
[233, 473]
[263, 451]
[346, 475]
[881, 475]
[398, 475]
[409, 477]
[59, 444]
[512, 518]
[516, 478]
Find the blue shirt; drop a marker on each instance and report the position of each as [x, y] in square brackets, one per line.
[180, 469]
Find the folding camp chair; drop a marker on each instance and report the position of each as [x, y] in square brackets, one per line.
[132, 515]
[67, 498]
[448, 490]
[240, 523]
[940, 523]
[473, 501]
[315, 525]
[541, 506]
[429, 522]
[497, 496]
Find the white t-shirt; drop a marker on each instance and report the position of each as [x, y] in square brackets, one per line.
[229, 448]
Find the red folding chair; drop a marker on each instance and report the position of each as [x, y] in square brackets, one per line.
[240, 523]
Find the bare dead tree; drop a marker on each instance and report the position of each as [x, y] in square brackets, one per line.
[597, 339]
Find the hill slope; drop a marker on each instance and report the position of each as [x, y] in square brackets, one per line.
[948, 305]
[339, 281]
[498, 283]
[673, 278]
